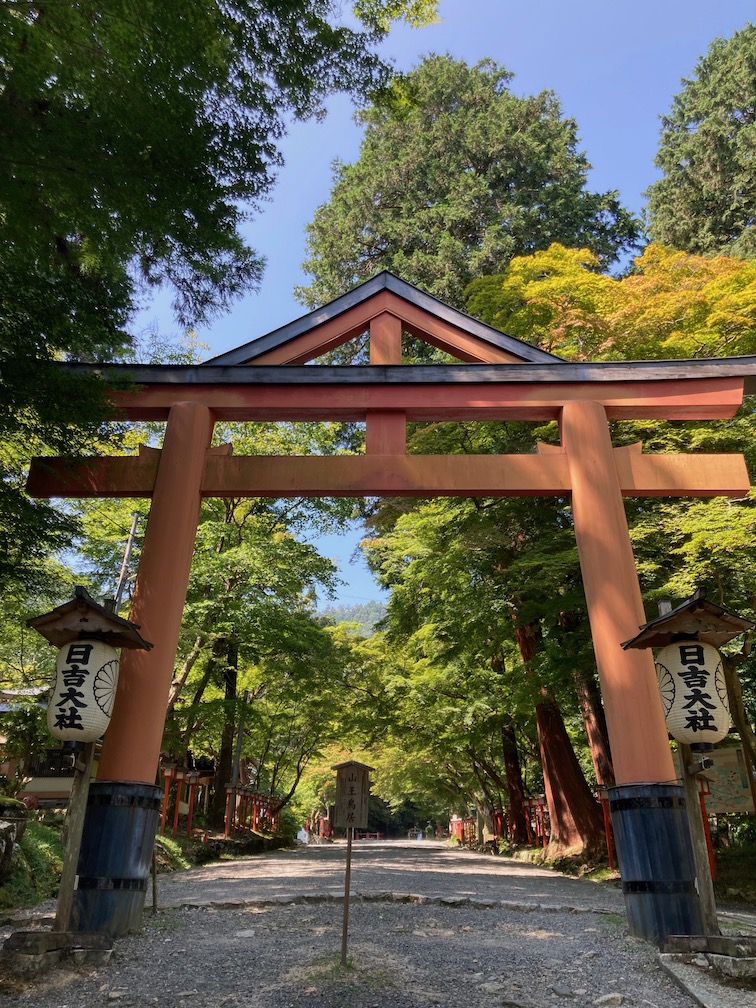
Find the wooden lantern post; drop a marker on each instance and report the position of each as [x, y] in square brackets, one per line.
[81, 619]
[699, 627]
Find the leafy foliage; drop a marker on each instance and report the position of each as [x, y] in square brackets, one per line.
[556, 298]
[179, 113]
[37, 867]
[464, 574]
[670, 304]
[134, 148]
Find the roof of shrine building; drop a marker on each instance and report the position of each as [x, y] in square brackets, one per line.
[386, 292]
[482, 354]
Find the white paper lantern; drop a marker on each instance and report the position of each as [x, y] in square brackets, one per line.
[81, 702]
[694, 692]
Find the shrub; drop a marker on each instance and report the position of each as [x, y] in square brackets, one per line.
[36, 868]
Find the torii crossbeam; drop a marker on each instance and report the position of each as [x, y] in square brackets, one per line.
[504, 379]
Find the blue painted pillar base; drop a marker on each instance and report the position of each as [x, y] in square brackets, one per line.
[116, 857]
[656, 863]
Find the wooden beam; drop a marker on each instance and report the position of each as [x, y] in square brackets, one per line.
[668, 475]
[457, 342]
[327, 335]
[109, 476]
[289, 342]
[705, 399]
[682, 475]
[394, 475]
[182, 375]
[125, 476]
[385, 475]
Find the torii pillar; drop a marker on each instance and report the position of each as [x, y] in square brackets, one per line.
[654, 847]
[124, 805]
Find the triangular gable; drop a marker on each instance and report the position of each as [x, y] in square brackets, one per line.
[378, 302]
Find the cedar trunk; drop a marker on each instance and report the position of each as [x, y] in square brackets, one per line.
[577, 825]
[515, 788]
[225, 654]
[594, 720]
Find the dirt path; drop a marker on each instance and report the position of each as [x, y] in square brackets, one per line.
[425, 867]
[429, 925]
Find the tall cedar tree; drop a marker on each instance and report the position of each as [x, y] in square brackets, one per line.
[705, 201]
[455, 176]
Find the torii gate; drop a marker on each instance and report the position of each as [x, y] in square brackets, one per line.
[502, 378]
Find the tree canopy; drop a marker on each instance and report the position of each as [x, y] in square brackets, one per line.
[134, 141]
[670, 304]
[135, 144]
[456, 175]
[705, 201]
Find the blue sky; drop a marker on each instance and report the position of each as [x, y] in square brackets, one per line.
[615, 67]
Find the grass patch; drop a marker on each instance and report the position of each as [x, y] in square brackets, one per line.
[603, 873]
[38, 863]
[330, 974]
[166, 920]
[36, 868]
[216, 847]
[169, 855]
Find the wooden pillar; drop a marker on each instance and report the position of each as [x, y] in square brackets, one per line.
[179, 788]
[167, 775]
[653, 841]
[634, 714]
[703, 856]
[386, 339]
[230, 807]
[132, 743]
[385, 432]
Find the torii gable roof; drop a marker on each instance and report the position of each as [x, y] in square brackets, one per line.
[348, 316]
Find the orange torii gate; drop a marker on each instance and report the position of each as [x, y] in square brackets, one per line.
[501, 379]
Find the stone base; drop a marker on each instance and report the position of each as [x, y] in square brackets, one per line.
[732, 956]
[737, 967]
[29, 953]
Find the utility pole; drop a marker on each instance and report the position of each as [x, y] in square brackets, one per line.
[126, 557]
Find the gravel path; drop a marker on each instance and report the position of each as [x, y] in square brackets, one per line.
[428, 925]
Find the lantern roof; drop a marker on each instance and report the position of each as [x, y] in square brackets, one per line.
[83, 617]
[351, 763]
[694, 619]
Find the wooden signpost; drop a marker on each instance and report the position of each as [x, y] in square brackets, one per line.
[352, 798]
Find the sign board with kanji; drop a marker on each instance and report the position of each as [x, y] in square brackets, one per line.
[352, 794]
